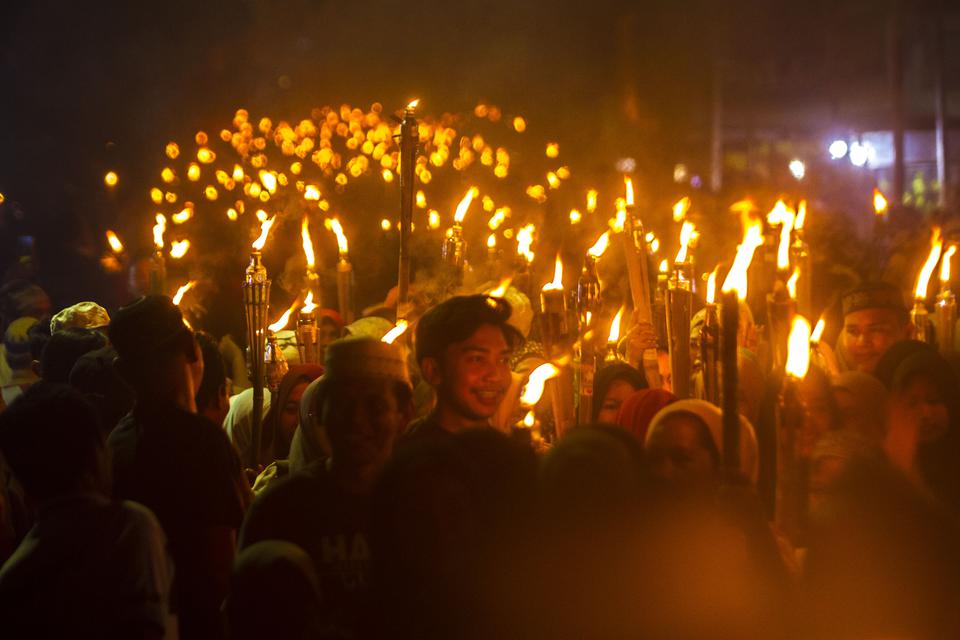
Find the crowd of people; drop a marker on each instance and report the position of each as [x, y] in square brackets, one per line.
[394, 493]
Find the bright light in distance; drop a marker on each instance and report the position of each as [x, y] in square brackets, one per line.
[860, 153]
[837, 149]
[798, 168]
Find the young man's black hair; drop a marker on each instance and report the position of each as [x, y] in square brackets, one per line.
[212, 394]
[64, 348]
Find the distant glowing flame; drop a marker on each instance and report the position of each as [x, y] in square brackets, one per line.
[501, 289]
[600, 246]
[778, 214]
[182, 216]
[269, 180]
[686, 234]
[664, 266]
[311, 192]
[712, 286]
[433, 219]
[798, 348]
[621, 220]
[524, 242]
[614, 335]
[736, 279]
[395, 333]
[575, 216]
[115, 245]
[945, 264]
[497, 219]
[179, 248]
[464, 205]
[936, 246]
[308, 305]
[818, 331]
[783, 250]
[492, 241]
[879, 203]
[801, 216]
[533, 390]
[413, 103]
[284, 320]
[628, 185]
[337, 229]
[158, 230]
[110, 179]
[264, 232]
[792, 283]
[557, 283]
[680, 209]
[529, 420]
[307, 243]
[178, 296]
[591, 200]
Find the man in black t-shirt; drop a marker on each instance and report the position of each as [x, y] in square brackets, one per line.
[174, 461]
[362, 401]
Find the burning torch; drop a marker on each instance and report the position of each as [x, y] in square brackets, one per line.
[679, 302]
[158, 264]
[946, 305]
[454, 246]
[256, 304]
[588, 306]
[344, 272]
[409, 141]
[918, 315]
[790, 417]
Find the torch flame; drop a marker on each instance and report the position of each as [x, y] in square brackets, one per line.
[818, 331]
[413, 103]
[614, 335]
[792, 283]
[621, 221]
[879, 202]
[115, 245]
[945, 264]
[712, 286]
[178, 296]
[341, 238]
[533, 390]
[591, 200]
[501, 289]
[158, 230]
[492, 241]
[628, 184]
[680, 209]
[600, 246]
[778, 214]
[264, 232]
[664, 266]
[783, 251]
[524, 240]
[801, 215]
[798, 348]
[936, 245]
[178, 248]
[461, 213]
[308, 304]
[736, 279]
[557, 283]
[281, 324]
[307, 243]
[395, 333]
[686, 233]
[530, 419]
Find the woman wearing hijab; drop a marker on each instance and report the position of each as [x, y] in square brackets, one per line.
[611, 386]
[640, 407]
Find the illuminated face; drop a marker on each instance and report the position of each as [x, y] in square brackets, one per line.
[680, 453]
[617, 392]
[868, 333]
[475, 375]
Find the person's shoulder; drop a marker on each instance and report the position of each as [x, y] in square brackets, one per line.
[140, 517]
[124, 431]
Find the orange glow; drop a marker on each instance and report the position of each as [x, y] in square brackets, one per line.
[497, 218]
[193, 172]
[798, 348]
[385, 224]
[464, 205]
[397, 331]
[936, 246]
[311, 192]
[686, 234]
[614, 335]
[620, 222]
[525, 241]
[736, 279]
[182, 216]
[413, 103]
[519, 124]
[778, 213]
[712, 286]
[433, 219]
[553, 180]
[492, 241]
[879, 203]
[801, 216]
[334, 225]
[269, 181]
[110, 179]
[264, 232]
[600, 245]
[664, 266]
[628, 184]
[501, 289]
[308, 305]
[945, 263]
[421, 199]
[591, 200]
[307, 242]
[115, 245]
[179, 248]
[818, 331]
[158, 230]
[792, 283]
[575, 216]
[536, 381]
[680, 209]
[553, 149]
[232, 214]
[530, 420]
[173, 150]
[557, 283]
[178, 296]
[783, 250]
[284, 320]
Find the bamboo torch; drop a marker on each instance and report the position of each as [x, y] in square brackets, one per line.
[256, 304]
[946, 305]
[454, 249]
[158, 264]
[734, 290]
[790, 417]
[919, 315]
[637, 273]
[553, 305]
[409, 141]
[710, 343]
[344, 272]
[588, 306]
[801, 259]
[679, 302]
[528, 429]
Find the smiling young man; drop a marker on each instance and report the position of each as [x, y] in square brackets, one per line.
[463, 347]
[874, 318]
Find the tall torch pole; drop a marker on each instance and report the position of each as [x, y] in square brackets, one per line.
[588, 307]
[946, 306]
[409, 139]
[918, 315]
[256, 305]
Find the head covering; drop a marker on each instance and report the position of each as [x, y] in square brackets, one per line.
[873, 295]
[895, 356]
[639, 409]
[16, 342]
[369, 327]
[607, 375]
[20, 298]
[332, 315]
[297, 374]
[274, 592]
[84, 315]
[146, 326]
[868, 415]
[712, 417]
